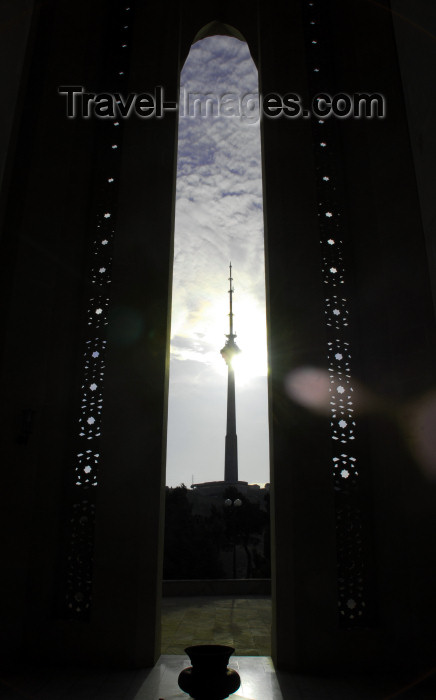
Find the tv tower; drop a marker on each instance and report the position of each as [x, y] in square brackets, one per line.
[228, 352]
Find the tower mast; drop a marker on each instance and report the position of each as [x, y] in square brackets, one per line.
[228, 352]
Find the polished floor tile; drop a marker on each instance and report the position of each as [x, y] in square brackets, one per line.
[259, 681]
[243, 623]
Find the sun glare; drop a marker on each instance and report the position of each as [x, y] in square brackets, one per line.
[250, 324]
[204, 330]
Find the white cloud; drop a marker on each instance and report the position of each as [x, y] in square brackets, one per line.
[218, 219]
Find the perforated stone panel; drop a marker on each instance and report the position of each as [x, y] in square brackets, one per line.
[347, 480]
[77, 565]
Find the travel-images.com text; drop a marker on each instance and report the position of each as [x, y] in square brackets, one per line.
[247, 107]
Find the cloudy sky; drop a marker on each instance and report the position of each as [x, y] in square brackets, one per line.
[218, 218]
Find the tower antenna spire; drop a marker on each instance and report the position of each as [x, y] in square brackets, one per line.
[231, 290]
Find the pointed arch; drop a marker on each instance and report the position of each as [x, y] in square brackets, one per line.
[215, 28]
[218, 28]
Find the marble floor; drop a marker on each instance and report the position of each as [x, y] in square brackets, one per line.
[259, 681]
[241, 622]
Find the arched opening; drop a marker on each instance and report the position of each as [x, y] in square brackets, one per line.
[219, 218]
[216, 28]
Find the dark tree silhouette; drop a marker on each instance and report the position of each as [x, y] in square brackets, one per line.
[245, 526]
[192, 542]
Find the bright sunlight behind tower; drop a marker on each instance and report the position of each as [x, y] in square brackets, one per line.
[218, 219]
